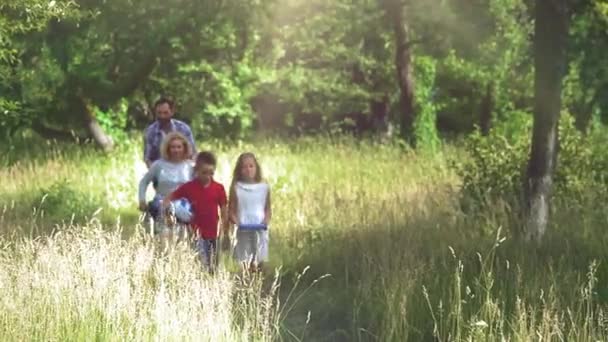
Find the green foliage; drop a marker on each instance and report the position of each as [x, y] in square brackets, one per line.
[10, 120]
[493, 168]
[116, 51]
[516, 125]
[586, 83]
[23, 16]
[320, 57]
[114, 121]
[494, 52]
[61, 201]
[218, 97]
[19, 20]
[425, 126]
[581, 169]
[496, 164]
[334, 56]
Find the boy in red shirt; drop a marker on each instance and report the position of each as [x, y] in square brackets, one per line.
[206, 196]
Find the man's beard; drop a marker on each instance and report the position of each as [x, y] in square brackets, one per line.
[164, 122]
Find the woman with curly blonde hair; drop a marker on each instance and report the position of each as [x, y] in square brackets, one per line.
[173, 169]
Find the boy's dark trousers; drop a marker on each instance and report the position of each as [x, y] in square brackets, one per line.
[207, 253]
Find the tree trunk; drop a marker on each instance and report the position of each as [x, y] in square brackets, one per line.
[77, 104]
[96, 132]
[403, 64]
[379, 112]
[550, 40]
[486, 109]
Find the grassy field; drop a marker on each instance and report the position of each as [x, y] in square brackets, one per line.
[368, 241]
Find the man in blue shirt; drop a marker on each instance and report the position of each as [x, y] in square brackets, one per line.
[164, 109]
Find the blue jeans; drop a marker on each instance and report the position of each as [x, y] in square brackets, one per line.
[154, 207]
[207, 253]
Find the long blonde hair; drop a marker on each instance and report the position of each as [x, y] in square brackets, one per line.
[164, 147]
[236, 174]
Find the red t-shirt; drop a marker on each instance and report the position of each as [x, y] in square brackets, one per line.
[205, 201]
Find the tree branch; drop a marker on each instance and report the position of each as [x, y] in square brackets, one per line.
[56, 134]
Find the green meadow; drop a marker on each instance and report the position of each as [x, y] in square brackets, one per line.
[369, 242]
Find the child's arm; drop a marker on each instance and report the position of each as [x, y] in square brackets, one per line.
[267, 209]
[224, 219]
[225, 230]
[223, 205]
[233, 206]
[166, 202]
[177, 193]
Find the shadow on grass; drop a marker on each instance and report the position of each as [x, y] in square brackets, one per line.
[399, 282]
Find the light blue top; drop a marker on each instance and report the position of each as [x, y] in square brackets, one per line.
[169, 176]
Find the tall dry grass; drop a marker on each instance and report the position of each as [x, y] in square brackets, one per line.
[406, 262]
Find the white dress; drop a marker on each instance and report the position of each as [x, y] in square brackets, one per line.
[251, 245]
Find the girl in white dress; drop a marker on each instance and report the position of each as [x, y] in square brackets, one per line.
[250, 211]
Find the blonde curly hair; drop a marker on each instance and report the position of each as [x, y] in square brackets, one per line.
[164, 147]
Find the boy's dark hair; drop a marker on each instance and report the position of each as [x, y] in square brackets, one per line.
[165, 99]
[206, 157]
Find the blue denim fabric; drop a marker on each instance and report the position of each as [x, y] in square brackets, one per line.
[153, 138]
[207, 253]
[154, 207]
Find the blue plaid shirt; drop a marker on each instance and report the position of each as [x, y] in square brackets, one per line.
[154, 137]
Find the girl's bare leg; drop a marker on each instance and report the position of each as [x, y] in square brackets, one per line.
[166, 238]
[260, 267]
